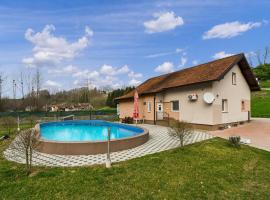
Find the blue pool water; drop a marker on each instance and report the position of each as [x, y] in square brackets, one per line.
[86, 130]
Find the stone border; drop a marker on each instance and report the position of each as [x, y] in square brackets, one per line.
[159, 140]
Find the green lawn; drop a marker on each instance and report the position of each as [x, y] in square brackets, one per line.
[265, 84]
[260, 104]
[208, 170]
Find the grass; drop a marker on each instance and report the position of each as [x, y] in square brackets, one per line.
[265, 84]
[207, 170]
[260, 104]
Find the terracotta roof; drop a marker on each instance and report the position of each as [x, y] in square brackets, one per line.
[211, 71]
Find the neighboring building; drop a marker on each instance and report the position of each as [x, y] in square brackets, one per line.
[68, 107]
[208, 95]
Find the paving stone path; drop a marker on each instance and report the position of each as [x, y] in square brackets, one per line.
[159, 141]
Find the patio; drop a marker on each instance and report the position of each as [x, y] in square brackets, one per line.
[257, 131]
[159, 141]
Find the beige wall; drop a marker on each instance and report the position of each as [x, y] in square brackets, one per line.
[126, 108]
[145, 114]
[191, 111]
[235, 94]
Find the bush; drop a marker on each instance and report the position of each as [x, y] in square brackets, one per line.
[127, 120]
[235, 141]
[8, 123]
[181, 130]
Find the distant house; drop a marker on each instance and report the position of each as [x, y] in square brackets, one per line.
[68, 107]
[206, 95]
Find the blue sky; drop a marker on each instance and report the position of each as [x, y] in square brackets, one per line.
[111, 44]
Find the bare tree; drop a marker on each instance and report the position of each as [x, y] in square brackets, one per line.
[181, 130]
[265, 55]
[262, 58]
[32, 120]
[1, 89]
[258, 56]
[1, 86]
[37, 85]
[26, 141]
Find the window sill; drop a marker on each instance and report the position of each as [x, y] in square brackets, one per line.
[225, 112]
[175, 111]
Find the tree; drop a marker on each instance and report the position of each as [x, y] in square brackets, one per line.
[26, 141]
[117, 93]
[8, 123]
[262, 72]
[37, 84]
[262, 58]
[181, 130]
[32, 119]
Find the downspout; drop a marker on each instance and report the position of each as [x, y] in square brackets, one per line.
[155, 109]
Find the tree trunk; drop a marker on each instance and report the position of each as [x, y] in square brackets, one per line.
[30, 160]
[27, 161]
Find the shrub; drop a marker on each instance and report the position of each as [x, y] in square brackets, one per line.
[27, 141]
[235, 141]
[181, 130]
[8, 123]
[127, 120]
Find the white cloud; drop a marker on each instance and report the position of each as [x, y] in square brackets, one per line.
[177, 51]
[68, 70]
[132, 74]
[195, 62]
[229, 29]
[50, 50]
[183, 61]
[111, 71]
[52, 84]
[250, 54]
[163, 22]
[107, 76]
[134, 82]
[221, 54]
[166, 67]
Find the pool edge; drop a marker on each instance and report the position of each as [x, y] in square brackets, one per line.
[88, 147]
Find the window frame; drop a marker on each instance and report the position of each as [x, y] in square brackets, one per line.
[243, 105]
[224, 107]
[234, 78]
[172, 106]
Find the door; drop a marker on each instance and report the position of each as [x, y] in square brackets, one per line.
[159, 111]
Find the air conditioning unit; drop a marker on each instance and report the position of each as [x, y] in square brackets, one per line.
[193, 97]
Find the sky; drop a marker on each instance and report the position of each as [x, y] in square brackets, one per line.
[111, 44]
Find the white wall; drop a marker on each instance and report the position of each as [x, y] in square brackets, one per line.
[197, 112]
[234, 93]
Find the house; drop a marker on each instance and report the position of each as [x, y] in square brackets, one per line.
[207, 95]
[69, 107]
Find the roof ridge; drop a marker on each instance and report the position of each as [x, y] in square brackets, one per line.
[209, 71]
[170, 73]
[212, 61]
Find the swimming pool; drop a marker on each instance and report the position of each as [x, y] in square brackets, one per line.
[86, 130]
[84, 137]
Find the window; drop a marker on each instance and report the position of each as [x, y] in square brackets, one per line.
[148, 106]
[117, 109]
[175, 105]
[234, 78]
[243, 106]
[224, 105]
